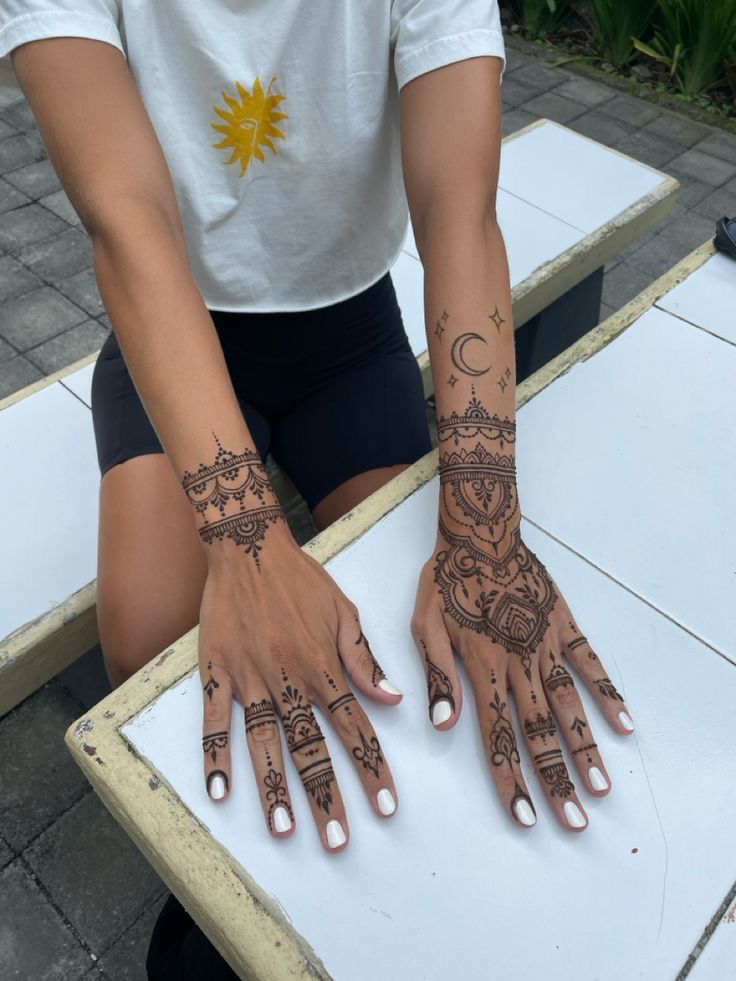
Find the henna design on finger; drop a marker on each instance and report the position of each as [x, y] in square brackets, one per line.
[578, 726]
[304, 736]
[330, 680]
[259, 714]
[520, 794]
[342, 702]
[213, 742]
[210, 684]
[607, 688]
[218, 773]
[586, 749]
[276, 795]
[378, 674]
[559, 676]
[369, 753]
[502, 739]
[553, 770]
[541, 726]
[440, 686]
[226, 483]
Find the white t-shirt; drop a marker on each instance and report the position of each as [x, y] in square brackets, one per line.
[280, 125]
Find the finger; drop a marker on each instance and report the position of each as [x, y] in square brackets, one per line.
[540, 735]
[358, 658]
[444, 691]
[264, 745]
[499, 738]
[309, 752]
[563, 697]
[218, 702]
[584, 659]
[360, 740]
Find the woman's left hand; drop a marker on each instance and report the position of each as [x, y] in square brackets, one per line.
[484, 594]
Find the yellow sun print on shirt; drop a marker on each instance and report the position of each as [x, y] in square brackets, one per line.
[249, 123]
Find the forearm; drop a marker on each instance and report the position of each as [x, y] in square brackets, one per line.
[468, 316]
[175, 359]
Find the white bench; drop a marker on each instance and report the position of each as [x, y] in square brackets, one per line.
[640, 412]
[561, 222]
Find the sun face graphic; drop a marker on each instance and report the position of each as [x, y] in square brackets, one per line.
[249, 123]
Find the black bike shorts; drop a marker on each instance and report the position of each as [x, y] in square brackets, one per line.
[330, 392]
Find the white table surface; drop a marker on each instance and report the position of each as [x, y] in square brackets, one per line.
[449, 887]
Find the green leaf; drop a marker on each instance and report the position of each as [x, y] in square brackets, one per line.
[645, 49]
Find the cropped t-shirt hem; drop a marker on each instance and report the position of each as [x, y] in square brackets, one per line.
[35, 26]
[447, 50]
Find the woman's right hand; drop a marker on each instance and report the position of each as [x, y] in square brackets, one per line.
[275, 633]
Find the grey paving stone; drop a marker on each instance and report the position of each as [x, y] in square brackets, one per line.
[720, 203]
[515, 60]
[94, 872]
[636, 112]
[6, 129]
[688, 230]
[35, 944]
[622, 284]
[677, 128]
[719, 144]
[56, 259]
[36, 179]
[26, 225]
[6, 853]
[17, 151]
[39, 779]
[10, 93]
[64, 349]
[515, 93]
[14, 375]
[15, 278]
[586, 91]
[6, 351]
[126, 959]
[605, 312]
[649, 148]
[658, 255]
[106, 321]
[10, 198]
[604, 129]
[516, 119]
[703, 167]
[21, 116]
[59, 203]
[553, 106]
[542, 76]
[692, 191]
[35, 317]
[82, 290]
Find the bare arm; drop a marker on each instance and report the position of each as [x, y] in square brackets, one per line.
[103, 146]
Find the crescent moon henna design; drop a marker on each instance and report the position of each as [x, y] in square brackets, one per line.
[226, 483]
[458, 357]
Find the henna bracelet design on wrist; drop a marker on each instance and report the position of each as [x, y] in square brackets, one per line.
[230, 478]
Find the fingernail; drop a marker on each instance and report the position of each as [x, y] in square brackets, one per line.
[281, 819]
[524, 813]
[386, 802]
[217, 787]
[335, 834]
[573, 815]
[441, 712]
[625, 721]
[597, 780]
[387, 686]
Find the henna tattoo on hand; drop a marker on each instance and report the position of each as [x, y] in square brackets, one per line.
[304, 737]
[502, 743]
[210, 684]
[218, 773]
[578, 725]
[440, 686]
[540, 726]
[259, 714]
[213, 742]
[559, 676]
[225, 483]
[369, 753]
[607, 688]
[378, 673]
[586, 749]
[553, 770]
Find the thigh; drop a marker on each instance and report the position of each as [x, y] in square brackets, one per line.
[370, 419]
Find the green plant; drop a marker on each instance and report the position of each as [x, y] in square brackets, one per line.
[544, 16]
[693, 38]
[615, 25]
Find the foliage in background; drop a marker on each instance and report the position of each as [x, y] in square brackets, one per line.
[694, 39]
[616, 23]
[542, 17]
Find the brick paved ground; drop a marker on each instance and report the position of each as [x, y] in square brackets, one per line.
[76, 898]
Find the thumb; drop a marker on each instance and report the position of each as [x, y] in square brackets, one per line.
[357, 656]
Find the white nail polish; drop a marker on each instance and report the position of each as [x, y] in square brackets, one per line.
[217, 787]
[573, 815]
[597, 780]
[386, 802]
[441, 712]
[625, 721]
[524, 813]
[281, 819]
[335, 834]
[387, 686]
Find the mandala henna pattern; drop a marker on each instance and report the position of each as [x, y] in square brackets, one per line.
[559, 676]
[229, 481]
[553, 771]
[304, 738]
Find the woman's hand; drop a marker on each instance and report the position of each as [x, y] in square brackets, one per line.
[486, 595]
